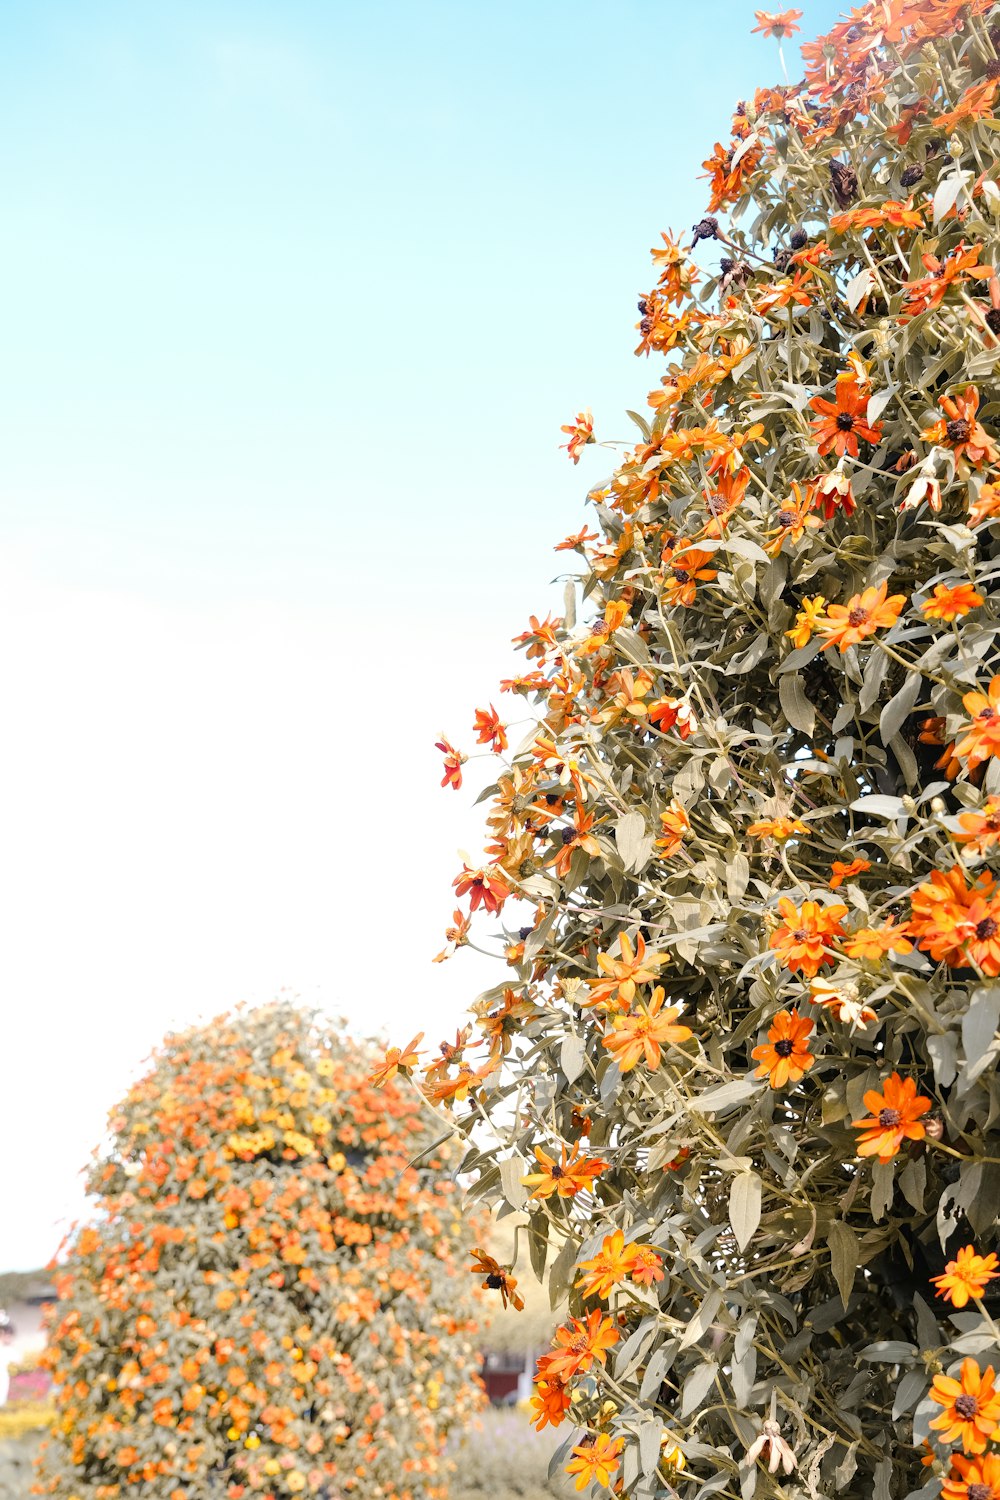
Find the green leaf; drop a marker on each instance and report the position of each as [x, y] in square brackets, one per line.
[697, 1386]
[844, 1257]
[573, 1056]
[795, 706]
[744, 1206]
[512, 1169]
[635, 845]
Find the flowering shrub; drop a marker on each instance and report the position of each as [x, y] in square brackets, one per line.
[742, 1062]
[271, 1296]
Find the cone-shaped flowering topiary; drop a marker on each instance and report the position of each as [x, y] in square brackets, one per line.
[743, 1060]
[271, 1296]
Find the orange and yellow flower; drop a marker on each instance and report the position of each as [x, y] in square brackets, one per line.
[951, 603]
[785, 1056]
[395, 1059]
[841, 871]
[807, 621]
[973, 1478]
[803, 939]
[959, 430]
[622, 975]
[595, 1461]
[894, 1117]
[643, 1033]
[581, 432]
[579, 1344]
[847, 624]
[966, 1276]
[971, 1406]
[565, 1177]
[776, 23]
[980, 829]
[980, 738]
[842, 421]
[616, 1262]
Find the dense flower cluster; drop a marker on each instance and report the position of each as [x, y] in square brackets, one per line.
[743, 855]
[271, 1297]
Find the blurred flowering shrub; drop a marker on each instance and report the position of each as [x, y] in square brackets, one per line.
[270, 1298]
[742, 857]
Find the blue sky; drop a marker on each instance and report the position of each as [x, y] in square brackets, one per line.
[297, 297]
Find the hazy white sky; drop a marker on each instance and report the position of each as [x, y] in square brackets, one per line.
[296, 297]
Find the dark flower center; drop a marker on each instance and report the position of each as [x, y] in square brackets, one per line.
[958, 430]
[858, 616]
[978, 1492]
[681, 574]
[985, 929]
[985, 715]
[785, 1047]
[495, 1281]
[568, 835]
[800, 935]
[786, 517]
[845, 421]
[889, 1118]
[556, 1172]
[992, 71]
[717, 505]
[993, 320]
[966, 1406]
[912, 175]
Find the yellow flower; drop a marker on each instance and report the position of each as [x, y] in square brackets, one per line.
[806, 621]
[296, 1481]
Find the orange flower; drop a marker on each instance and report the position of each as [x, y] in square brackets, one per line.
[623, 974]
[498, 1279]
[847, 624]
[980, 738]
[973, 1478]
[839, 871]
[685, 569]
[808, 619]
[842, 421]
[803, 939]
[894, 1117]
[785, 1056]
[951, 603]
[971, 1406]
[578, 1345]
[939, 912]
[873, 943]
[670, 713]
[453, 762]
[985, 505]
[489, 730]
[982, 944]
[776, 828]
[966, 1276]
[642, 1033]
[929, 291]
[565, 1178]
[794, 519]
[396, 1058]
[571, 839]
[959, 430]
[615, 1262]
[776, 23]
[596, 1461]
[980, 829]
[675, 825]
[892, 213]
[577, 542]
[486, 886]
[581, 432]
[549, 1404]
[455, 937]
